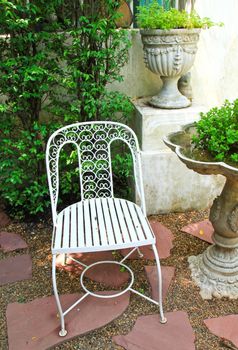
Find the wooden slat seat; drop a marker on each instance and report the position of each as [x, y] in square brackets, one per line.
[101, 224]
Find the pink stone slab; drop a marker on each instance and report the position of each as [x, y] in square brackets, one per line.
[17, 268]
[35, 325]
[202, 230]
[167, 276]
[4, 219]
[164, 238]
[11, 241]
[224, 327]
[149, 334]
[108, 274]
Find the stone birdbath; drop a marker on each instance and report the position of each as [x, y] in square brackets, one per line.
[216, 270]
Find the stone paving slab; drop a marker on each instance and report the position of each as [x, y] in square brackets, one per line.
[149, 334]
[164, 239]
[35, 325]
[10, 241]
[17, 268]
[224, 327]
[202, 229]
[4, 219]
[167, 276]
[109, 274]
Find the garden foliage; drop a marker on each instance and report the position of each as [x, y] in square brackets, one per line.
[55, 64]
[217, 132]
[154, 16]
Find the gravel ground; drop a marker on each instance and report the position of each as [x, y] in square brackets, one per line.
[182, 294]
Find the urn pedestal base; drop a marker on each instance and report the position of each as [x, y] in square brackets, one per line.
[169, 96]
[216, 272]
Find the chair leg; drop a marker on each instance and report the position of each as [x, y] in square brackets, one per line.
[63, 331]
[65, 257]
[139, 253]
[162, 317]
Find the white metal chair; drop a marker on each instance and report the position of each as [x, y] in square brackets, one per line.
[99, 222]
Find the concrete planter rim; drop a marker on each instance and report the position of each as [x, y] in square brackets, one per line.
[177, 31]
[214, 167]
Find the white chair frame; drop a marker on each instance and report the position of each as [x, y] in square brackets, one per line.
[99, 221]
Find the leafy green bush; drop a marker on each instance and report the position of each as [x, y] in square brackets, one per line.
[23, 183]
[55, 64]
[217, 132]
[93, 58]
[154, 16]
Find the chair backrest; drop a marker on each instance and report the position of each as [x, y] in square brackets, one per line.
[93, 142]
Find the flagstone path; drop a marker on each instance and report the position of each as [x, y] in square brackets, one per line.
[10, 241]
[152, 275]
[224, 327]
[111, 276]
[34, 325]
[149, 334]
[14, 269]
[202, 229]
[164, 243]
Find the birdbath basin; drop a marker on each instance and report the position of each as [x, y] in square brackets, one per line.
[216, 270]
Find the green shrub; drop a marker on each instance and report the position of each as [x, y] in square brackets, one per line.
[55, 64]
[23, 183]
[93, 58]
[217, 132]
[154, 16]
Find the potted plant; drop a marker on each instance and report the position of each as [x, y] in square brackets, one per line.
[170, 43]
[210, 146]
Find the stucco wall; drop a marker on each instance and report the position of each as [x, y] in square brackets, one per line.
[215, 71]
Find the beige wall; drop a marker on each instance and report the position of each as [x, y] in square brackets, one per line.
[215, 71]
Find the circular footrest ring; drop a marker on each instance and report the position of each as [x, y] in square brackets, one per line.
[112, 295]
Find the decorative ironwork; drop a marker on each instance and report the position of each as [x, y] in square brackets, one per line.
[93, 142]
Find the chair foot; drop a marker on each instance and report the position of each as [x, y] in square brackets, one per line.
[62, 333]
[163, 320]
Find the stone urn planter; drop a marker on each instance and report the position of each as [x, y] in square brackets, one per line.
[170, 54]
[216, 270]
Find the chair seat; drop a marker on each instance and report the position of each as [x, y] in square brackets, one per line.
[101, 224]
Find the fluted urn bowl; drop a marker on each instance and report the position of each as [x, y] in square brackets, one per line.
[170, 54]
[216, 270]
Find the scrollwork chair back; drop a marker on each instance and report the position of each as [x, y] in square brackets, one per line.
[93, 141]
